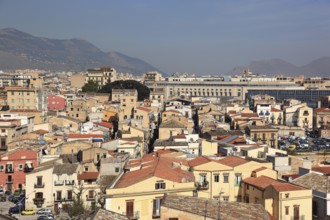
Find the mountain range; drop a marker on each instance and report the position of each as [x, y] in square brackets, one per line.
[319, 67]
[19, 50]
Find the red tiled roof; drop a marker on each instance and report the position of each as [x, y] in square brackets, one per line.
[261, 182]
[231, 112]
[324, 170]
[198, 161]
[160, 167]
[181, 136]
[282, 187]
[232, 161]
[322, 110]
[143, 109]
[85, 136]
[249, 115]
[88, 176]
[104, 124]
[275, 110]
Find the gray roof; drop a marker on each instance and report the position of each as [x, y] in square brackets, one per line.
[66, 168]
[313, 181]
[210, 208]
[102, 214]
[172, 124]
[164, 143]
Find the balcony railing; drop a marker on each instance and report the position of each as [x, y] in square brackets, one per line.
[36, 185]
[202, 185]
[69, 182]
[28, 169]
[9, 181]
[38, 200]
[58, 182]
[90, 198]
[58, 199]
[136, 215]
[9, 170]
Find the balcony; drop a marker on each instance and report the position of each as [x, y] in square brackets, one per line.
[9, 181]
[27, 169]
[133, 216]
[90, 198]
[37, 201]
[9, 170]
[36, 185]
[69, 182]
[202, 185]
[59, 199]
[58, 182]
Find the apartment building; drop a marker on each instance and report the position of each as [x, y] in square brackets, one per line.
[282, 200]
[263, 134]
[26, 98]
[138, 193]
[14, 165]
[11, 130]
[221, 178]
[101, 75]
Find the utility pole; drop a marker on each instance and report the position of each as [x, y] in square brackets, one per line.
[220, 193]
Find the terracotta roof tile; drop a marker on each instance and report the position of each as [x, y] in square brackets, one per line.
[198, 161]
[232, 161]
[144, 109]
[160, 167]
[249, 115]
[85, 136]
[263, 182]
[275, 110]
[324, 169]
[104, 124]
[282, 187]
[326, 110]
[88, 176]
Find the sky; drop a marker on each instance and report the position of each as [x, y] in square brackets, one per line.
[196, 36]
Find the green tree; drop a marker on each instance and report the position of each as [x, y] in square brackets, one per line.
[91, 86]
[143, 91]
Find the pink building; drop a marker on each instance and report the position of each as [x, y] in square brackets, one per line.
[55, 102]
[13, 167]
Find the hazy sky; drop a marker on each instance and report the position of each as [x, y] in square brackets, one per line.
[202, 36]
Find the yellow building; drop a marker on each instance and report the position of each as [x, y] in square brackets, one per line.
[209, 147]
[170, 128]
[138, 193]
[263, 135]
[101, 76]
[222, 177]
[282, 200]
[109, 115]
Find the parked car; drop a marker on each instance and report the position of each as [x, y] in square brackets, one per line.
[292, 147]
[3, 198]
[1, 192]
[28, 212]
[45, 217]
[44, 211]
[13, 210]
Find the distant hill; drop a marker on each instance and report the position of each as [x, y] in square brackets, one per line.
[21, 50]
[319, 67]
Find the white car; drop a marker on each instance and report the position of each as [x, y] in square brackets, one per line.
[44, 211]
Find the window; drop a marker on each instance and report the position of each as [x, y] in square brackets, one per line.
[58, 195]
[39, 180]
[226, 198]
[315, 208]
[69, 195]
[28, 100]
[286, 210]
[85, 168]
[91, 194]
[238, 178]
[1, 167]
[160, 185]
[216, 178]
[12, 100]
[117, 169]
[226, 178]
[296, 212]
[20, 166]
[3, 130]
[156, 207]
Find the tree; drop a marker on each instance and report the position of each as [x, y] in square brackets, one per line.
[142, 90]
[91, 86]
